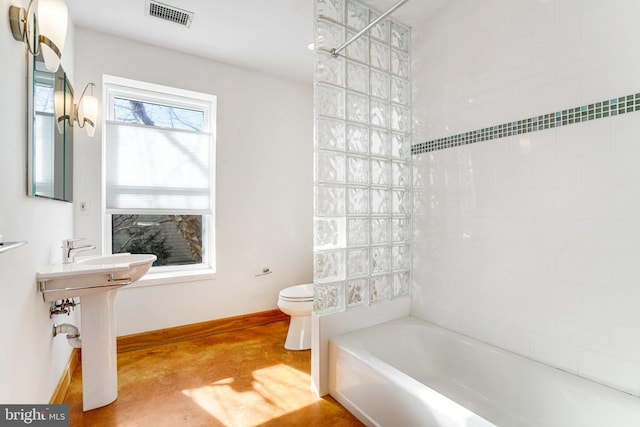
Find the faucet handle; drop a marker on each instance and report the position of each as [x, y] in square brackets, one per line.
[70, 243]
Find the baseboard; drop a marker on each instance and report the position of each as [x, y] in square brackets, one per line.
[65, 380]
[197, 330]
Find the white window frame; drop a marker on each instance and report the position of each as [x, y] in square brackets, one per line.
[112, 87]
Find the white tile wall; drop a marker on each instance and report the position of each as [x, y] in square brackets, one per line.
[531, 242]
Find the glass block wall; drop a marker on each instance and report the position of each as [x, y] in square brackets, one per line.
[362, 159]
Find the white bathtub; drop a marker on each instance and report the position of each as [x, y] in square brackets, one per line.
[412, 373]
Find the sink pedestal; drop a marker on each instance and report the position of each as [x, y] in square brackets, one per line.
[99, 349]
[95, 280]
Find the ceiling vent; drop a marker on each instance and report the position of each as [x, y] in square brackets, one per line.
[169, 13]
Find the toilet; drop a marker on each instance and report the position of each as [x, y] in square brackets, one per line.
[297, 302]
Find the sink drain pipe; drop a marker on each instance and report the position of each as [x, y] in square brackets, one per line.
[73, 334]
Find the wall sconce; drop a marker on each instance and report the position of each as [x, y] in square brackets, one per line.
[86, 110]
[44, 32]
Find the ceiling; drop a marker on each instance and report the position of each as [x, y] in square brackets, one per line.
[270, 36]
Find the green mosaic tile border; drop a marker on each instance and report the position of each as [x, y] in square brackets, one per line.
[598, 110]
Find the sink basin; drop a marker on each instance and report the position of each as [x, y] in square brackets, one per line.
[92, 274]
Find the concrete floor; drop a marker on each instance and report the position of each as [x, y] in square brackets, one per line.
[239, 378]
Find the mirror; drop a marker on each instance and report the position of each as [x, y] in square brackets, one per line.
[50, 135]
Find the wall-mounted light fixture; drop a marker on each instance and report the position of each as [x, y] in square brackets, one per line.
[43, 32]
[86, 110]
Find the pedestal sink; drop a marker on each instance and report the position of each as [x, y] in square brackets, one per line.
[95, 280]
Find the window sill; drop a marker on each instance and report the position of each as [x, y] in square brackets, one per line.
[173, 277]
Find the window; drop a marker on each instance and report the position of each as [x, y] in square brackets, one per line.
[159, 173]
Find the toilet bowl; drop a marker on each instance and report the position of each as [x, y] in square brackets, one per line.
[297, 302]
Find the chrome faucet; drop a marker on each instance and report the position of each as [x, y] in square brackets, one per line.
[70, 250]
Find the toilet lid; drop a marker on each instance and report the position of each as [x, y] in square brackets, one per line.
[298, 292]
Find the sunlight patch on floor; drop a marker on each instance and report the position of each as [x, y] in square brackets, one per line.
[268, 394]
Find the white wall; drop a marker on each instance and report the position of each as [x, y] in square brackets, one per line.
[31, 360]
[264, 182]
[530, 242]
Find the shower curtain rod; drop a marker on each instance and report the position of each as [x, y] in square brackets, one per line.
[334, 51]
